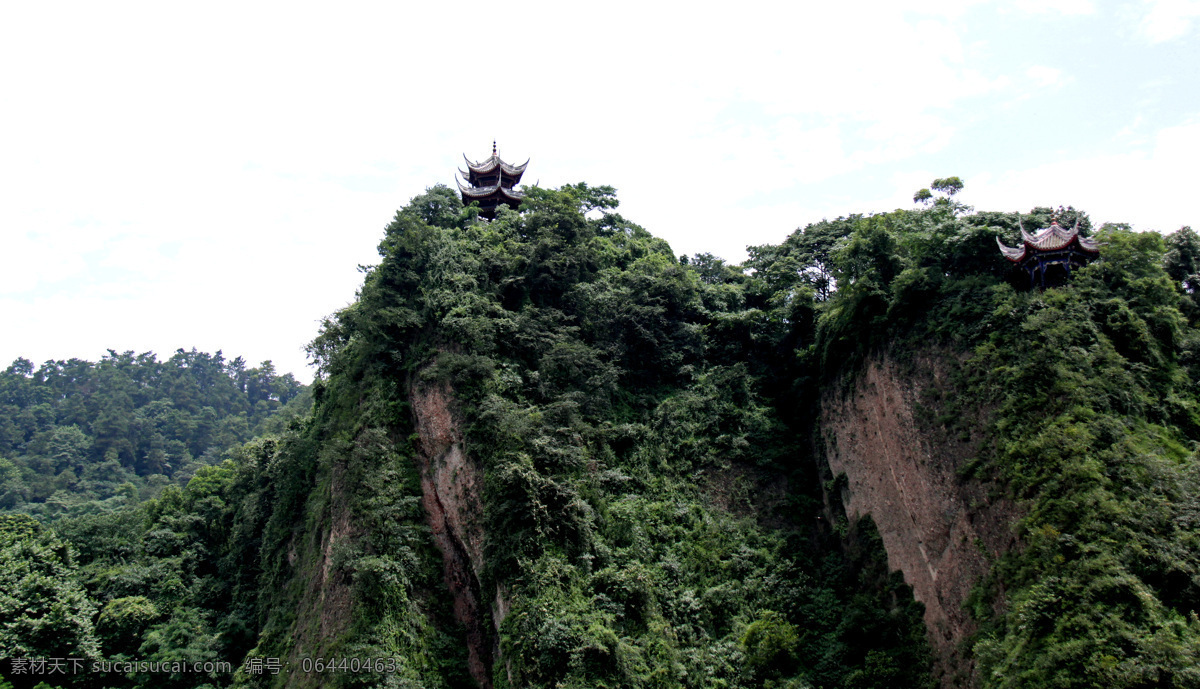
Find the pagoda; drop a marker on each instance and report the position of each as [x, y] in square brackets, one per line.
[490, 183]
[1048, 256]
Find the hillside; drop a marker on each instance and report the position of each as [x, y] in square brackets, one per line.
[81, 437]
[546, 452]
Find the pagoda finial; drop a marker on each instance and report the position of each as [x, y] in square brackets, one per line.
[494, 147]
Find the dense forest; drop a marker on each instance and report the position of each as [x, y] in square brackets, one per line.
[544, 451]
[79, 437]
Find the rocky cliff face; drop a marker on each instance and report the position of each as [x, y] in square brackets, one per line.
[324, 601]
[903, 469]
[323, 610]
[452, 485]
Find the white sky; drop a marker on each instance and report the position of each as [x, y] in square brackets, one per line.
[211, 175]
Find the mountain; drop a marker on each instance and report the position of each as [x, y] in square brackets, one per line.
[546, 452]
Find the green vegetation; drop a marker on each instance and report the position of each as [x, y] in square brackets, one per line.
[44, 608]
[1091, 392]
[78, 437]
[617, 402]
[651, 507]
[134, 567]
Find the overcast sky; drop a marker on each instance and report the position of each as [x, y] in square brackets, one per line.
[207, 175]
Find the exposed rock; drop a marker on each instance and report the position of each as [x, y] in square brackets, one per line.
[941, 531]
[324, 608]
[451, 484]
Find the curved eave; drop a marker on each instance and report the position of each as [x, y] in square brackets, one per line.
[479, 193]
[476, 192]
[1083, 244]
[494, 162]
[511, 195]
[483, 168]
[1014, 255]
[1056, 237]
[517, 170]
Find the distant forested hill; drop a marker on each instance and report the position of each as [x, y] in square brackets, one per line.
[78, 436]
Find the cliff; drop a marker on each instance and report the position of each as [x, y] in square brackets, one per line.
[606, 503]
[941, 530]
[586, 411]
[546, 452]
[451, 487]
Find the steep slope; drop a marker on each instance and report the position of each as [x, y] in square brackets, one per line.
[451, 488]
[545, 452]
[940, 530]
[1052, 432]
[581, 450]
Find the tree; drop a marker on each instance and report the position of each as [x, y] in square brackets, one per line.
[948, 185]
[1183, 258]
[602, 198]
[123, 621]
[871, 254]
[46, 612]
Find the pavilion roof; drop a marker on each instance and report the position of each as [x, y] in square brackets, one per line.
[1052, 238]
[485, 192]
[492, 162]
